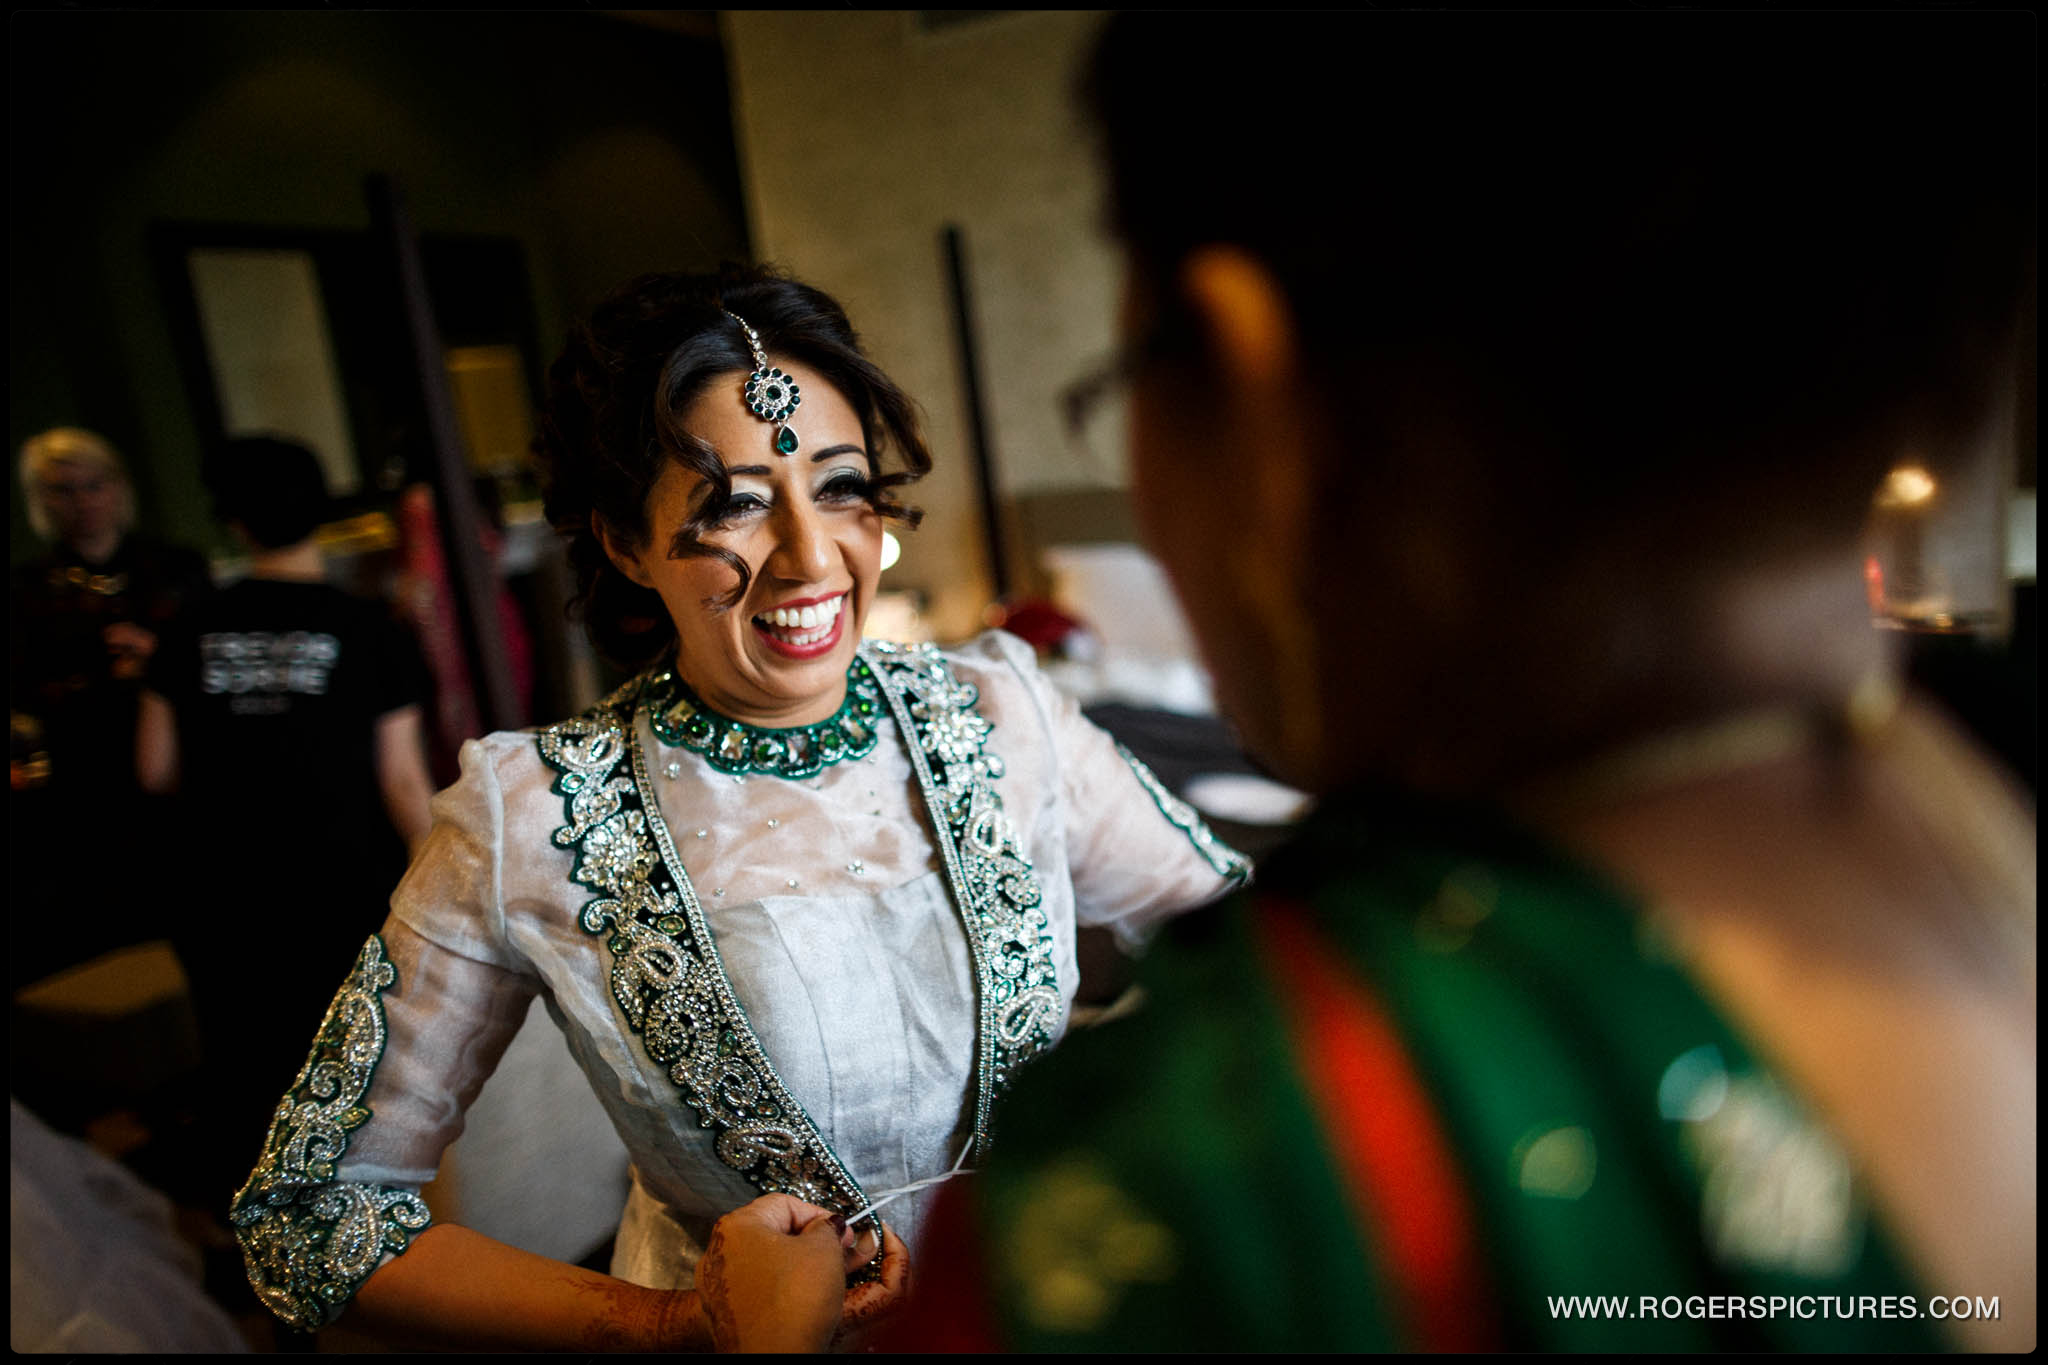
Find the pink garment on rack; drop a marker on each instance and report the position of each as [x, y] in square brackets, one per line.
[428, 596]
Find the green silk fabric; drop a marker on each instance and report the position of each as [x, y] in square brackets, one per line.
[1163, 1183]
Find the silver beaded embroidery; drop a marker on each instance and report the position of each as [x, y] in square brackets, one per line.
[993, 885]
[667, 977]
[308, 1239]
[1227, 861]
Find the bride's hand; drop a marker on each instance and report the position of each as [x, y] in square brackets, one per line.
[774, 1277]
[870, 1306]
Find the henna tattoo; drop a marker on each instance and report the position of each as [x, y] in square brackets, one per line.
[870, 1306]
[626, 1317]
[712, 1297]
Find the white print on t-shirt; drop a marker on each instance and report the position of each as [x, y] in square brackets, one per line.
[261, 662]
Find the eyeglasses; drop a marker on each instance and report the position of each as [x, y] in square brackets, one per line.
[1094, 406]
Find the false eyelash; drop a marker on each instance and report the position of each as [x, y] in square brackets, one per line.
[736, 504]
[847, 484]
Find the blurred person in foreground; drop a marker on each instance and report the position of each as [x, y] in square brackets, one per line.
[83, 620]
[285, 715]
[1646, 943]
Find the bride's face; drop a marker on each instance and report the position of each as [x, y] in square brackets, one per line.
[806, 529]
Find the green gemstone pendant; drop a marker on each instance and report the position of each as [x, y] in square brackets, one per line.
[785, 440]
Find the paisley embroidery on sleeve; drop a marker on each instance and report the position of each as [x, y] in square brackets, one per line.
[308, 1239]
[1227, 861]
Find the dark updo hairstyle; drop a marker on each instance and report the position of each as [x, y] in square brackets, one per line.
[1704, 268]
[274, 488]
[614, 420]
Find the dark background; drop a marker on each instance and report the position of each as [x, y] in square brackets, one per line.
[544, 158]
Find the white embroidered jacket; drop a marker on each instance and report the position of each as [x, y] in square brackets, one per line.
[833, 905]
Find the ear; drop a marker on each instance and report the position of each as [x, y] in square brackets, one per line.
[1255, 377]
[623, 557]
[1244, 315]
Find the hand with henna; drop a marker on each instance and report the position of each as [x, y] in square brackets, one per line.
[774, 1278]
[869, 1307]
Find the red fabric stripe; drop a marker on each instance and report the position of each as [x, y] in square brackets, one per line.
[1391, 1148]
[949, 1297]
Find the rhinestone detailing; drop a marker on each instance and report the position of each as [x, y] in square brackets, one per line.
[308, 1239]
[771, 395]
[678, 718]
[667, 979]
[993, 885]
[1227, 861]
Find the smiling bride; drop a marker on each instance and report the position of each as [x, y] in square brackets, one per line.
[801, 903]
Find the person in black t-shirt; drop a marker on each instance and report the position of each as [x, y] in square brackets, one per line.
[286, 716]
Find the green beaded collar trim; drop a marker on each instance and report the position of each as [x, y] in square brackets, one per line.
[680, 719]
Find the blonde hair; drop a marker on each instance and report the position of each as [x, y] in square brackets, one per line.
[59, 446]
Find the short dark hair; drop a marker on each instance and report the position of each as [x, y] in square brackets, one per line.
[274, 488]
[1671, 258]
[613, 421]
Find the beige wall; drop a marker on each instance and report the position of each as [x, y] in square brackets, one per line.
[861, 135]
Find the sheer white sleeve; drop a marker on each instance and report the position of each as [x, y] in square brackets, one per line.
[411, 1037]
[1138, 854]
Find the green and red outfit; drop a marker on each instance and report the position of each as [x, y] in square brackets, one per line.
[1422, 1080]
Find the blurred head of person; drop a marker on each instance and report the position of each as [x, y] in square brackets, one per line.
[689, 528]
[272, 491]
[77, 491]
[1505, 386]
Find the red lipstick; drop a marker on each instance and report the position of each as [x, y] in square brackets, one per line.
[811, 651]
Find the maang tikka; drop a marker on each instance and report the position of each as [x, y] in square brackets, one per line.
[771, 394]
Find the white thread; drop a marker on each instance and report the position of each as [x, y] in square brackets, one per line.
[915, 1185]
